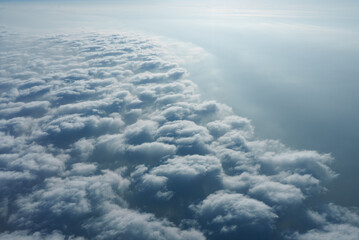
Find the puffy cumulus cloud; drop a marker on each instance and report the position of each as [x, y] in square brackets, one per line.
[24, 235]
[121, 223]
[67, 201]
[277, 193]
[104, 137]
[332, 231]
[233, 215]
[331, 222]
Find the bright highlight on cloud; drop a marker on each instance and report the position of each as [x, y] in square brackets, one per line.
[102, 137]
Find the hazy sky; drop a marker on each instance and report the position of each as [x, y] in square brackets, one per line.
[291, 67]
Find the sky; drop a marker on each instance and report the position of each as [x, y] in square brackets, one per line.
[178, 116]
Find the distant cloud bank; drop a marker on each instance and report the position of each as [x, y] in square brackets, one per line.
[104, 137]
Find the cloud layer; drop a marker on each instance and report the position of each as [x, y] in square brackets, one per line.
[104, 137]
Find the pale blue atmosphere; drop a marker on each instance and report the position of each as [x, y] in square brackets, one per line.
[202, 88]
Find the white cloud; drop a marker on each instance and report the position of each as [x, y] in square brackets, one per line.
[120, 223]
[102, 136]
[332, 222]
[24, 235]
[331, 232]
[235, 215]
[277, 193]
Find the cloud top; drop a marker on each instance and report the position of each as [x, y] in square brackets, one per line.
[104, 137]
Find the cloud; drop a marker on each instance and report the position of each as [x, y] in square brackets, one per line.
[234, 215]
[333, 231]
[24, 235]
[118, 222]
[103, 137]
[34, 109]
[332, 222]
